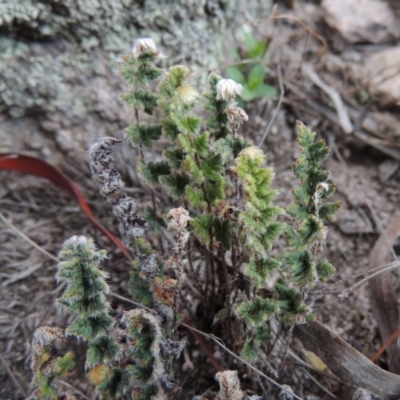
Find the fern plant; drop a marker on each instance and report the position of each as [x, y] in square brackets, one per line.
[224, 230]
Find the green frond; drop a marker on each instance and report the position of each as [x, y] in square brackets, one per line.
[258, 270]
[170, 128]
[193, 169]
[142, 99]
[175, 157]
[290, 303]
[195, 197]
[297, 211]
[175, 184]
[147, 73]
[202, 226]
[223, 232]
[215, 190]
[184, 143]
[143, 134]
[257, 310]
[328, 210]
[102, 350]
[249, 352]
[212, 166]
[154, 221]
[201, 144]
[140, 288]
[262, 334]
[152, 171]
[324, 269]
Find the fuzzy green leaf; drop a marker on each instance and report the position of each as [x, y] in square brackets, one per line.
[305, 136]
[325, 269]
[89, 327]
[212, 166]
[258, 310]
[300, 168]
[154, 221]
[170, 128]
[195, 197]
[316, 177]
[140, 288]
[102, 350]
[117, 384]
[215, 190]
[175, 184]
[301, 195]
[328, 210]
[262, 334]
[311, 230]
[65, 364]
[304, 269]
[186, 124]
[143, 134]
[141, 99]
[202, 226]
[175, 157]
[274, 230]
[223, 233]
[153, 170]
[185, 145]
[249, 353]
[193, 169]
[258, 270]
[129, 74]
[317, 152]
[147, 73]
[201, 144]
[290, 304]
[148, 57]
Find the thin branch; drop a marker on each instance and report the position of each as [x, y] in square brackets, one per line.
[277, 108]
[342, 112]
[74, 389]
[30, 241]
[346, 292]
[306, 27]
[319, 385]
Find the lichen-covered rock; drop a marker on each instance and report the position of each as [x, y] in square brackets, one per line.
[52, 52]
[60, 59]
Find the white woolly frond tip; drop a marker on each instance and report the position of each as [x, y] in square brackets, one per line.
[228, 89]
[144, 46]
[178, 219]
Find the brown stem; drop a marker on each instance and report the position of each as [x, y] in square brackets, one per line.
[227, 290]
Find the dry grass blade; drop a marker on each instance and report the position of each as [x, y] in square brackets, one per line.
[36, 246]
[346, 362]
[383, 299]
[342, 112]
